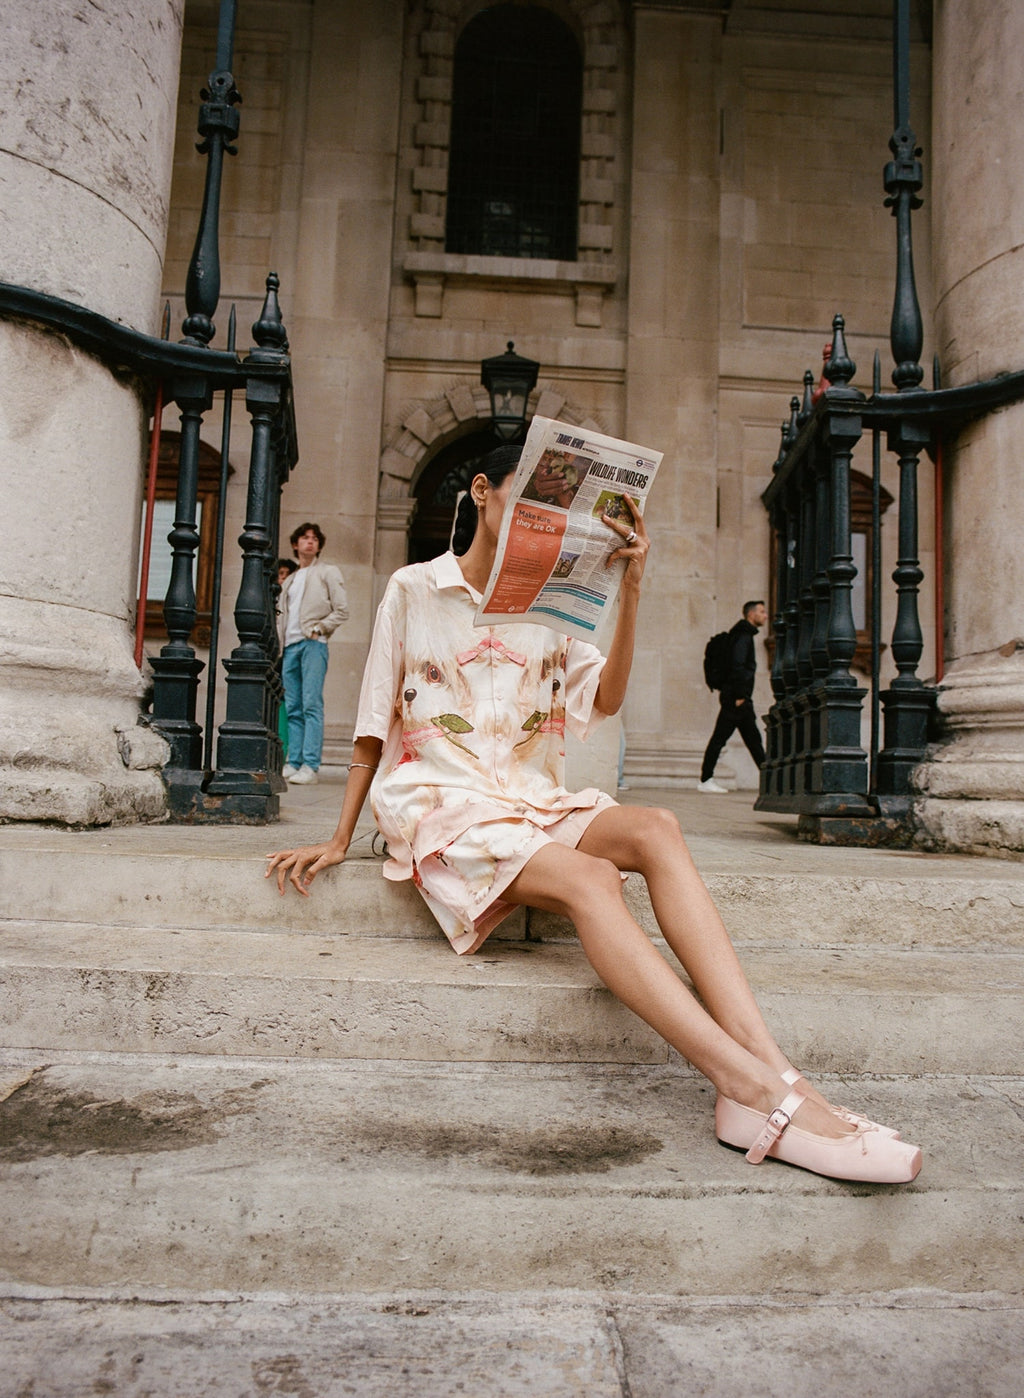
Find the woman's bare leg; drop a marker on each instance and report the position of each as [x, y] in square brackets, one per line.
[588, 890]
[648, 840]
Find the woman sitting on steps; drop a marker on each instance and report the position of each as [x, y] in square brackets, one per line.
[460, 731]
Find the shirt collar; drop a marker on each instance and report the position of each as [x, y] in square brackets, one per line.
[447, 573]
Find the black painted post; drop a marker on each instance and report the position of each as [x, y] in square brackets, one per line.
[218, 558]
[903, 179]
[876, 578]
[773, 773]
[840, 771]
[275, 689]
[805, 568]
[792, 729]
[804, 705]
[790, 674]
[907, 703]
[218, 126]
[822, 553]
[176, 669]
[248, 779]
[770, 780]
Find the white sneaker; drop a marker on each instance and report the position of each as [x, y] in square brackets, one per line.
[712, 787]
[305, 776]
[288, 771]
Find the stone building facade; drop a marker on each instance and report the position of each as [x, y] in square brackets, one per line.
[730, 201]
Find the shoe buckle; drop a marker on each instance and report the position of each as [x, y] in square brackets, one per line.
[774, 1125]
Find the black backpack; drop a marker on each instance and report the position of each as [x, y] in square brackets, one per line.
[718, 660]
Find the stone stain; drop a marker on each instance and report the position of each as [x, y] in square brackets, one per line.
[282, 1375]
[42, 1118]
[551, 1150]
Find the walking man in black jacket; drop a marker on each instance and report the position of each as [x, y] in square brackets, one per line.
[736, 698]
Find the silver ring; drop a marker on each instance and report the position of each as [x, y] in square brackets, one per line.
[631, 537]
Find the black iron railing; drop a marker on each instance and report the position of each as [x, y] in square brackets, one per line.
[816, 765]
[244, 782]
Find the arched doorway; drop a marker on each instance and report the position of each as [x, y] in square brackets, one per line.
[437, 491]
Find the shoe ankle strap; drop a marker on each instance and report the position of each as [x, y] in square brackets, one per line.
[775, 1123]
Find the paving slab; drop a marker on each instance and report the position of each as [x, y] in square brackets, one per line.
[410, 1344]
[253, 1175]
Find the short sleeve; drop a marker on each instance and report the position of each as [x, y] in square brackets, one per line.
[583, 666]
[383, 673]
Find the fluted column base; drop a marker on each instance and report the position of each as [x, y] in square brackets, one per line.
[71, 747]
[971, 787]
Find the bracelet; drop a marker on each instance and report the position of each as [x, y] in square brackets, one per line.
[361, 764]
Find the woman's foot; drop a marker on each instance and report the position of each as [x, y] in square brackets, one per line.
[794, 1078]
[813, 1114]
[801, 1132]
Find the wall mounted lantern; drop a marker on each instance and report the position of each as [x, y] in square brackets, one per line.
[508, 378]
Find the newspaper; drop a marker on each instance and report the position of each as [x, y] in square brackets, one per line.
[553, 546]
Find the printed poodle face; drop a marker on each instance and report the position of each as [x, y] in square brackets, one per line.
[503, 693]
[435, 700]
[545, 680]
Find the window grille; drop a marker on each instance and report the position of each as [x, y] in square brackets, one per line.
[513, 176]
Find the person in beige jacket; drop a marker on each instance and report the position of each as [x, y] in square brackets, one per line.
[311, 607]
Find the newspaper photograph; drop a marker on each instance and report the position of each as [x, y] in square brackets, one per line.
[553, 546]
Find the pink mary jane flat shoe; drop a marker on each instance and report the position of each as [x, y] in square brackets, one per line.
[793, 1075]
[863, 1155]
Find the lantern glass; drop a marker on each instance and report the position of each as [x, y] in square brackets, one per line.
[508, 379]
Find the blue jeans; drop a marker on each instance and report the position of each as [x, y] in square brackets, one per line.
[302, 670]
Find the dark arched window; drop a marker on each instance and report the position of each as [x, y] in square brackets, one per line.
[437, 492]
[513, 174]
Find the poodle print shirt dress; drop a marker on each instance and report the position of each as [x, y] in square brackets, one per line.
[473, 721]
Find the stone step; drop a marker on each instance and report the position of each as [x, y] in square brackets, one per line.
[252, 1176]
[405, 1344]
[235, 991]
[160, 877]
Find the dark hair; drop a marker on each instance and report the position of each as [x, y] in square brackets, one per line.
[296, 535]
[496, 465]
[287, 563]
[748, 607]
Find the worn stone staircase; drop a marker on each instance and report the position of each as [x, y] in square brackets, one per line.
[213, 1091]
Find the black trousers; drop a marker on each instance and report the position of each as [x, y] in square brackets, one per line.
[730, 717]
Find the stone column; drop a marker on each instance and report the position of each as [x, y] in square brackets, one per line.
[672, 380]
[87, 98]
[974, 787]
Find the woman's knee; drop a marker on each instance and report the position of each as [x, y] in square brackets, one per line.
[591, 880]
[655, 834]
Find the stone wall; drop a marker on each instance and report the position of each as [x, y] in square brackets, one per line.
[731, 203]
